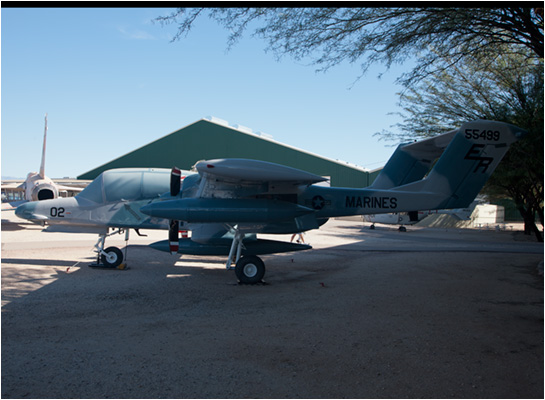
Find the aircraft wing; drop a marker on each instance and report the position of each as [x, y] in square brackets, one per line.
[11, 187]
[238, 171]
[236, 194]
[234, 178]
[16, 186]
[236, 191]
[73, 189]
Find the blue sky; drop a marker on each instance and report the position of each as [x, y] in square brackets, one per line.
[111, 81]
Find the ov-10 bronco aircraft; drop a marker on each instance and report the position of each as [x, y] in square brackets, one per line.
[229, 201]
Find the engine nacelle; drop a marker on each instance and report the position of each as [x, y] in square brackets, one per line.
[44, 191]
[39, 187]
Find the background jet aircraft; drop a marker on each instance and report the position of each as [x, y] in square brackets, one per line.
[229, 201]
[414, 217]
[37, 186]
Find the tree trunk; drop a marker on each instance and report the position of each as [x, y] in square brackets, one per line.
[530, 226]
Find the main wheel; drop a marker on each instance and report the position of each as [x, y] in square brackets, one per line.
[250, 269]
[112, 258]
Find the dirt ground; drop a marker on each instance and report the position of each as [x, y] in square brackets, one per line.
[442, 313]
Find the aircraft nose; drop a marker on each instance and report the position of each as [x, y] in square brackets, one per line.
[26, 210]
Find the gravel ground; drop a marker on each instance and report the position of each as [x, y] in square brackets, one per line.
[365, 314]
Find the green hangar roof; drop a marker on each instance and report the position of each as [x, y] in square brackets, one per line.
[212, 138]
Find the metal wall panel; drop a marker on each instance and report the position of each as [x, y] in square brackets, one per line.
[204, 140]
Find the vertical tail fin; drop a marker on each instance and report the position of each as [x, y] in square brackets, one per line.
[42, 165]
[467, 163]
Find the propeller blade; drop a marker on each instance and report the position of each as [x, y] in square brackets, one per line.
[173, 236]
[175, 177]
[175, 185]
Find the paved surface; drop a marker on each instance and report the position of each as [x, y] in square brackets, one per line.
[428, 313]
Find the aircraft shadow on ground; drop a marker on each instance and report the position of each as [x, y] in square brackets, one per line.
[10, 226]
[158, 265]
[155, 265]
[40, 262]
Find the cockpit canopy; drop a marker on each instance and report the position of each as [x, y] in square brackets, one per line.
[127, 184]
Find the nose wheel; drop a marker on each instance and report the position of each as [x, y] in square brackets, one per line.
[111, 257]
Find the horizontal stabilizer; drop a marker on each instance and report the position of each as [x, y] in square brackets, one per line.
[412, 161]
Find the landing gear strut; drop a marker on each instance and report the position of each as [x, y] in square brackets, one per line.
[112, 257]
[248, 269]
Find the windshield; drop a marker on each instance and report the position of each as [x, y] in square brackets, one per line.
[93, 191]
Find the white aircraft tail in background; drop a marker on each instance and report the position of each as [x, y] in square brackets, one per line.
[37, 186]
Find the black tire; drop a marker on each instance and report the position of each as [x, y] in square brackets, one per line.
[112, 258]
[402, 229]
[250, 270]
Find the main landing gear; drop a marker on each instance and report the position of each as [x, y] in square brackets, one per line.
[400, 229]
[248, 269]
[111, 257]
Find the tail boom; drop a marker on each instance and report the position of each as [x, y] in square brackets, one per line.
[339, 202]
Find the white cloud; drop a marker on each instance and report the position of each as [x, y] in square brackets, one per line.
[135, 34]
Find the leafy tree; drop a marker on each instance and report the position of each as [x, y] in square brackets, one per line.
[520, 177]
[501, 86]
[507, 87]
[329, 36]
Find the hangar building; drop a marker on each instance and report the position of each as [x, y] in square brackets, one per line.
[211, 138]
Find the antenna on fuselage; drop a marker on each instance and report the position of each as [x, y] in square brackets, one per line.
[42, 166]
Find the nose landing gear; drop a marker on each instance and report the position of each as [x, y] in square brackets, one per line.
[112, 257]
